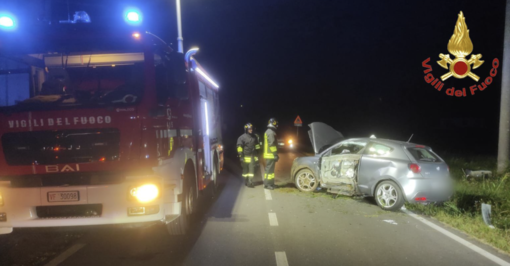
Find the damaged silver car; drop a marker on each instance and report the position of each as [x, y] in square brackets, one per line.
[391, 171]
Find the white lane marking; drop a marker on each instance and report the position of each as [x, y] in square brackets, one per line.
[268, 194]
[272, 219]
[281, 258]
[66, 254]
[473, 247]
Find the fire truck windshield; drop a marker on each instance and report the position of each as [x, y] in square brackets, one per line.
[60, 80]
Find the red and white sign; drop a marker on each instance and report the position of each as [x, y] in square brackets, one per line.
[298, 122]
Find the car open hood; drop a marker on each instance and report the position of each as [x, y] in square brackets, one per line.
[322, 135]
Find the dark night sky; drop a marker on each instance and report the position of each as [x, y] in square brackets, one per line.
[356, 65]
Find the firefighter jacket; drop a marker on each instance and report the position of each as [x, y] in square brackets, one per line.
[270, 142]
[247, 145]
[258, 139]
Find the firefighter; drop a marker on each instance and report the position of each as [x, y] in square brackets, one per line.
[257, 161]
[248, 148]
[270, 153]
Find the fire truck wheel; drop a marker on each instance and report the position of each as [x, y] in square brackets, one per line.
[181, 225]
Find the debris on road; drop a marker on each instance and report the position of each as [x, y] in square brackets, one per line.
[477, 173]
[391, 222]
[486, 214]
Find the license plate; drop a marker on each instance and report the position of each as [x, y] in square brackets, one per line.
[60, 196]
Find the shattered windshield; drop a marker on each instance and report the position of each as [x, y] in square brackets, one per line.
[67, 80]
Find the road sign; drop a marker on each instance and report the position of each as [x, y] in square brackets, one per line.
[298, 122]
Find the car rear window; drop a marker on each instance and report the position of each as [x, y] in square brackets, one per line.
[424, 155]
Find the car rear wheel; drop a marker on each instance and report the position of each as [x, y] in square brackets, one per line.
[306, 181]
[389, 196]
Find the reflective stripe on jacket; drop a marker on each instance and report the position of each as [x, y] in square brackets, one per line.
[270, 142]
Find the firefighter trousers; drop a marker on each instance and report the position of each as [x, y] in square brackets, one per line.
[269, 173]
[248, 168]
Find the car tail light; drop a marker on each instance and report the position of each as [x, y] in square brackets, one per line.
[415, 168]
[420, 198]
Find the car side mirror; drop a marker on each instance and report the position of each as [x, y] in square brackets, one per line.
[346, 151]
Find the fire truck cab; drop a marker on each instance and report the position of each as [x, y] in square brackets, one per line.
[101, 129]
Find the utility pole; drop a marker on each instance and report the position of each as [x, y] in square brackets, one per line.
[179, 27]
[504, 117]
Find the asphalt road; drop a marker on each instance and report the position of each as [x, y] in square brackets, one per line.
[244, 226]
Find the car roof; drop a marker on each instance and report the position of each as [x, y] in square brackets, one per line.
[385, 141]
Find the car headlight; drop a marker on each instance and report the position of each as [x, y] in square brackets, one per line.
[145, 193]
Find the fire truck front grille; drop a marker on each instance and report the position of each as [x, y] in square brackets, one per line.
[61, 146]
[69, 211]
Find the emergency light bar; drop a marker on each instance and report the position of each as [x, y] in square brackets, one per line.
[78, 17]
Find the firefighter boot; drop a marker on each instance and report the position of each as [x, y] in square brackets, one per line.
[250, 182]
[270, 183]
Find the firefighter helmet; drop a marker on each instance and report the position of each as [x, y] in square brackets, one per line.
[273, 123]
[248, 126]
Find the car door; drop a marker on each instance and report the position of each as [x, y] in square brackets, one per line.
[339, 167]
[377, 163]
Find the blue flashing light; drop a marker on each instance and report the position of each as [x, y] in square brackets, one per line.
[133, 16]
[7, 22]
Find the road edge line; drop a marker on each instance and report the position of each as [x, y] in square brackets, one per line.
[460, 240]
[64, 255]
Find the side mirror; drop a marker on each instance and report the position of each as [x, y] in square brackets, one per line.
[178, 75]
[177, 68]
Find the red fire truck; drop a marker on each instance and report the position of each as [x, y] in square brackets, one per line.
[100, 129]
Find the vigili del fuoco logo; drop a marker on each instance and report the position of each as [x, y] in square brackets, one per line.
[457, 64]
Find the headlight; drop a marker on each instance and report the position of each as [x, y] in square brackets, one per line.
[290, 141]
[145, 193]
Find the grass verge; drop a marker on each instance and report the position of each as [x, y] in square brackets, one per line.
[463, 211]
